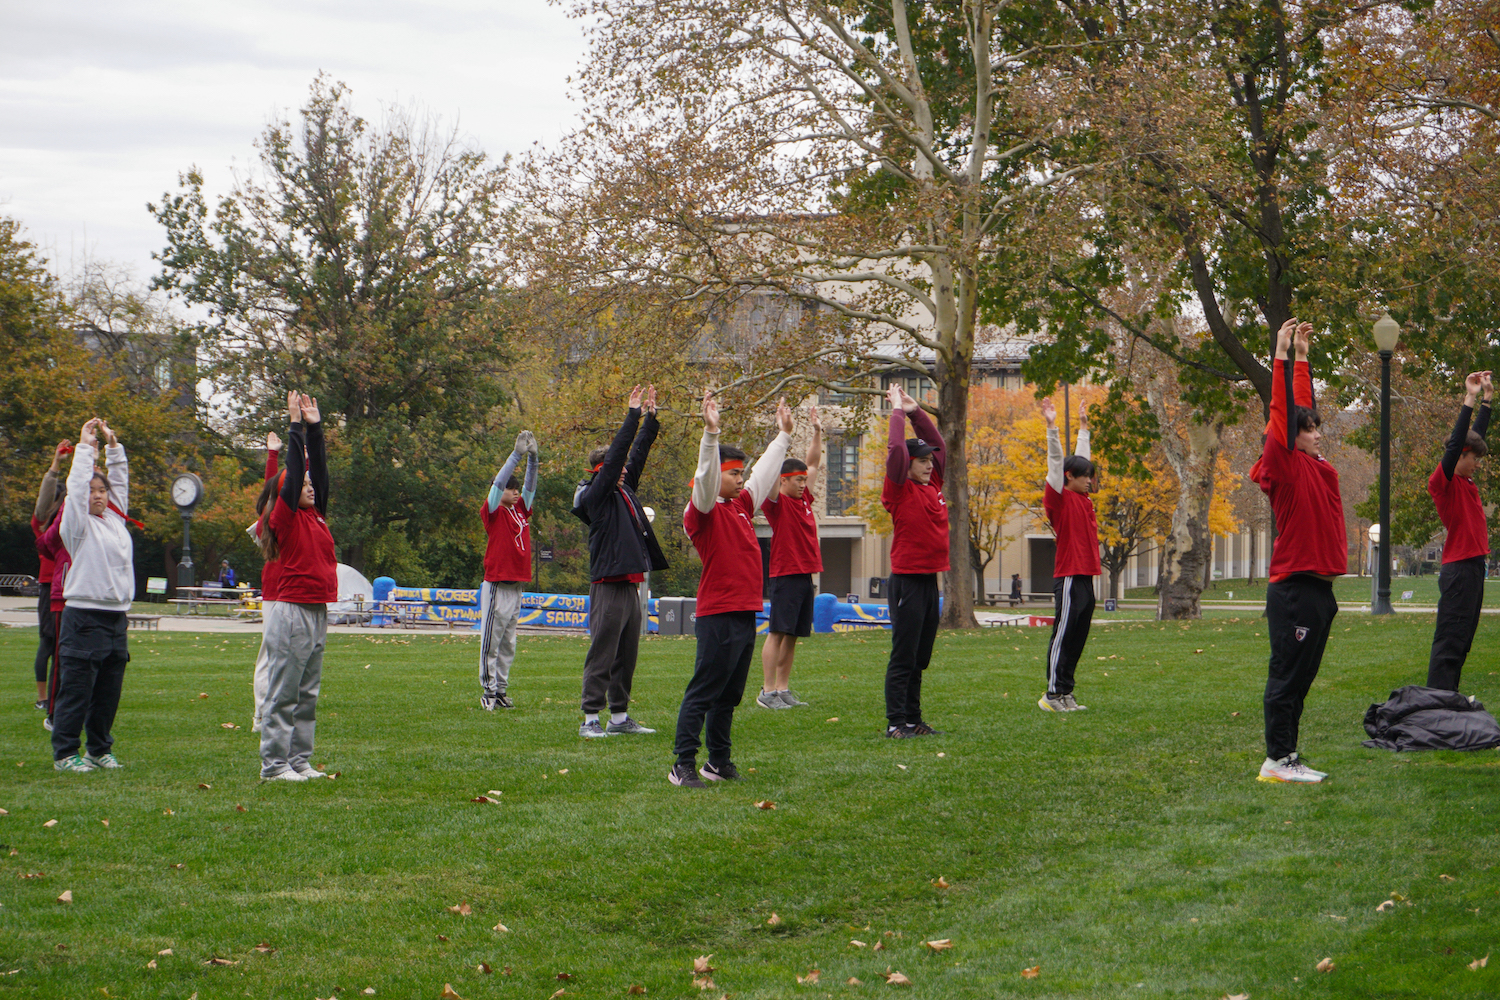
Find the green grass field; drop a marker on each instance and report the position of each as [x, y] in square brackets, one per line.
[1351, 591]
[1125, 851]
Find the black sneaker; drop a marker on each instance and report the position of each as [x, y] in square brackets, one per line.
[923, 729]
[721, 772]
[503, 701]
[40, 706]
[899, 732]
[685, 775]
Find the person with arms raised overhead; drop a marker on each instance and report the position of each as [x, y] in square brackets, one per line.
[1070, 509]
[506, 513]
[795, 557]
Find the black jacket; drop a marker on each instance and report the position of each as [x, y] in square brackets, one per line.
[1424, 718]
[620, 538]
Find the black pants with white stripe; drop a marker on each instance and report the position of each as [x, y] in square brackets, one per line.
[1460, 596]
[1299, 616]
[914, 625]
[1073, 613]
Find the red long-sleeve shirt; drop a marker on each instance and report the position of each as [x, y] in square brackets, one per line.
[1304, 493]
[919, 514]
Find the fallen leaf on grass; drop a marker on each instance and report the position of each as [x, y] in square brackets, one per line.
[220, 961]
[239, 808]
[170, 812]
[178, 867]
[203, 694]
[1326, 965]
[369, 991]
[1398, 897]
[896, 978]
[495, 793]
[942, 883]
[228, 725]
[811, 979]
[1197, 650]
[765, 804]
[485, 800]
[902, 766]
[151, 964]
[703, 982]
[449, 993]
[483, 968]
[501, 928]
[834, 719]
[105, 822]
[1387, 905]
[879, 946]
[4, 812]
[1447, 878]
[1031, 973]
[853, 943]
[635, 990]
[462, 909]
[50, 823]
[33, 875]
[66, 897]
[557, 994]
[942, 944]
[773, 920]
[442, 937]
[1479, 963]
[563, 771]
[700, 964]
[165, 951]
[1234, 715]
[203, 786]
[265, 948]
[854, 982]
[505, 971]
[1237, 996]
[565, 976]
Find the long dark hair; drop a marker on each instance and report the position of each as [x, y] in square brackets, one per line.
[265, 538]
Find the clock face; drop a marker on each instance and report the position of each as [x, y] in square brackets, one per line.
[184, 491]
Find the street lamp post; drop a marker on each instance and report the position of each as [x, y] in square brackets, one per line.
[1387, 333]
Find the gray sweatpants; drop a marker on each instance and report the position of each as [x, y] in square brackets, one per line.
[614, 641]
[499, 610]
[294, 638]
[262, 667]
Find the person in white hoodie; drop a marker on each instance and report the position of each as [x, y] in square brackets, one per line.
[92, 648]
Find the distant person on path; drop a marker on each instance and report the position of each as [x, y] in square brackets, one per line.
[100, 585]
[1465, 553]
[622, 549]
[294, 531]
[270, 574]
[1310, 552]
[506, 513]
[795, 557]
[1070, 509]
[226, 575]
[1016, 597]
[913, 494]
[718, 520]
[48, 500]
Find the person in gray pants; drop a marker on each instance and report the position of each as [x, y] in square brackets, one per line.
[622, 549]
[294, 531]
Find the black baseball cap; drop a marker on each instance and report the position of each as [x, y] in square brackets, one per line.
[917, 448]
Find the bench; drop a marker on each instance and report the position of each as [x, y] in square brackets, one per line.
[151, 622]
[23, 583]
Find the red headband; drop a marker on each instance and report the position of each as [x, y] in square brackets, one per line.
[731, 465]
[789, 475]
[596, 468]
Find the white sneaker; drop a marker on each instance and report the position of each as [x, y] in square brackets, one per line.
[287, 775]
[1289, 769]
[1071, 705]
[309, 772]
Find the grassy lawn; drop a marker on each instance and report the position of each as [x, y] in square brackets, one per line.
[1126, 851]
[1350, 590]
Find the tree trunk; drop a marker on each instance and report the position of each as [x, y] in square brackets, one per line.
[1189, 549]
[953, 417]
[353, 554]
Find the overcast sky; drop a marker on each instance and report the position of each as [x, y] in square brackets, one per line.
[103, 104]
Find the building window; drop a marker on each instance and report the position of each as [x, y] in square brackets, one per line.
[917, 387]
[832, 397]
[164, 375]
[843, 473]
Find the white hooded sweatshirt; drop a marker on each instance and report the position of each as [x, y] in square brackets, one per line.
[103, 571]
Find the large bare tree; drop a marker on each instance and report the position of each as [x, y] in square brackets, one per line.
[871, 160]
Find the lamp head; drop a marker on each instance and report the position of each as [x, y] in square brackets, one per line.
[1375, 533]
[1387, 333]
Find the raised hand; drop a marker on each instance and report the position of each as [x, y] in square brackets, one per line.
[812, 414]
[1284, 337]
[1049, 412]
[1488, 382]
[273, 443]
[894, 394]
[635, 398]
[907, 403]
[87, 436]
[1473, 383]
[309, 406]
[293, 407]
[1083, 418]
[710, 412]
[1300, 338]
[651, 399]
[783, 416]
[520, 448]
[109, 433]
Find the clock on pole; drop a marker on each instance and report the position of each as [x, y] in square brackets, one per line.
[187, 491]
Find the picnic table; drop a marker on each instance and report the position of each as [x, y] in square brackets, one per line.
[200, 599]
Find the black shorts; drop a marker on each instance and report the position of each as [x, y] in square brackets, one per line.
[792, 604]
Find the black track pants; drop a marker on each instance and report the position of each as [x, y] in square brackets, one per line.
[46, 646]
[90, 678]
[726, 644]
[914, 625]
[1073, 613]
[1299, 614]
[1460, 596]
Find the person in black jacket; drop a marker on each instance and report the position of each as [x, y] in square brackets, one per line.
[622, 549]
